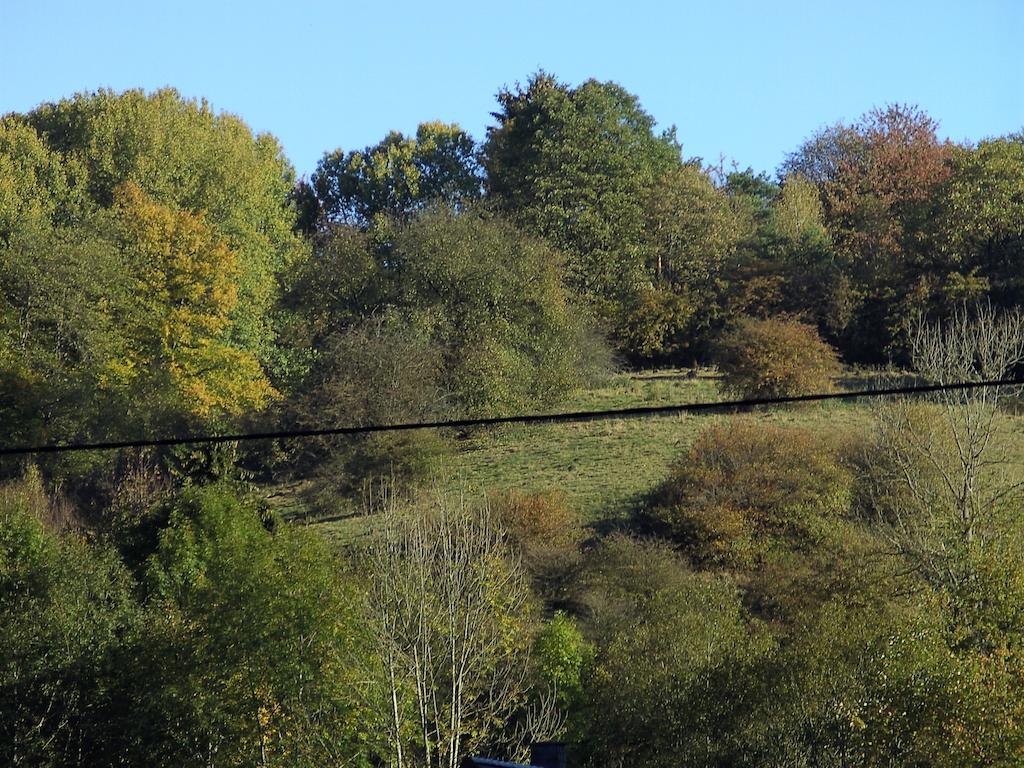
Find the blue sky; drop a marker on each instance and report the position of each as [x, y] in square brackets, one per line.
[747, 80]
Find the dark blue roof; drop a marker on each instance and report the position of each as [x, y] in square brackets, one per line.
[486, 762]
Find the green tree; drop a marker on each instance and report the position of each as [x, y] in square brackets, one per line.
[65, 607]
[399, 175]
[493, 301]
[675, 661]
[982, 221]
[575, 165]
[253, 649]
[691, 233]
[185, 156]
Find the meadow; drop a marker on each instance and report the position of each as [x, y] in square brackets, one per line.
[606, 468]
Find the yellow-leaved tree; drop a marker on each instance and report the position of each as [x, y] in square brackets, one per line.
[185, 285]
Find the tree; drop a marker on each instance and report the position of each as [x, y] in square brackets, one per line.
[253, 650]
[674, 662]
[452, 613]
[878, 181]
[690, 233]
[399, 175]
[940, 483]
[574, 165]
[184, 156]
[184, 291]
[743, 488]
[377, 371]
[141, 242]
[65, 607]
[493, 301]
[981, 220]
[691, 227]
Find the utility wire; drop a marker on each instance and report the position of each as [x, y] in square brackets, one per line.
[546, 418]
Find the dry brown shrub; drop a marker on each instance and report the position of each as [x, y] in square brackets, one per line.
[744, 485]
[778, 357]
[543, 527]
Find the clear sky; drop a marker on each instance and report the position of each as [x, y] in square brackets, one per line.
[747, 80]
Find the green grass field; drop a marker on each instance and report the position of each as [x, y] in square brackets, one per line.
[605, 467]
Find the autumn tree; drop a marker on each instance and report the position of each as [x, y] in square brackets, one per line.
[142, 239]
[878, 180]
[183, 279]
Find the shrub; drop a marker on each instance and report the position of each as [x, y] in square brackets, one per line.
[376, 372]
[778, 357]
[671, 679]
[656, 324]
[545, 529]
[743, 485]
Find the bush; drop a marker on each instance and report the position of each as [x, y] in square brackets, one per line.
[494, 301]
[745, 485]
[779, 357]
[675, 655]
[376, 372]
[656, 324]
[545, 530]
[65, 607]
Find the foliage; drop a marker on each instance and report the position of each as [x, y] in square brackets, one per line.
[671, 676]
[452, 613]
[563, 656]
[142, 241]
[743, 487]
[656, 324]
[878, 181]
[879, 686]
[545, 530]
[779, 357]
[183, 279]
[375, 372]
[399, 175]
[574, 165]
[981, 220]
[64, 606]
[252, 645]
[184, 156]
[493, 301]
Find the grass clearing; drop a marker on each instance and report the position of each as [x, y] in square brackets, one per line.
[605, 467]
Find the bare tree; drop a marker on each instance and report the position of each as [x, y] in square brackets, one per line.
[453, 614]
[940, 477]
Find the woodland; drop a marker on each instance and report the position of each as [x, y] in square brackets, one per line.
[835, 584]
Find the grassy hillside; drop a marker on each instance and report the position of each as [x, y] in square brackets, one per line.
[605, 467]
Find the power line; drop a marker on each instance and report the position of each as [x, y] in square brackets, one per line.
[547, 418]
